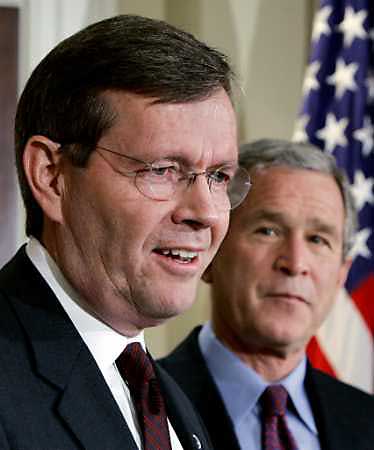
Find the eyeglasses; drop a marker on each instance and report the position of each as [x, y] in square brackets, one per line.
[161, 179]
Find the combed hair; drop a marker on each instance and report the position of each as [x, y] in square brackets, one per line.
[266, 153]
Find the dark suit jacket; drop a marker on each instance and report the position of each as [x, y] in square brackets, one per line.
[344, 415]
[52, 394]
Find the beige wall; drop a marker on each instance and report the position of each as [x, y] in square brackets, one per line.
[268, 43]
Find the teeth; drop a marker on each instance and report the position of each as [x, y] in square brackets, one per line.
[183, 253]
[180, 253]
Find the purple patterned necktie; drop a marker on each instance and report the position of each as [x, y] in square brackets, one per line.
[137, 370]
[275, 432]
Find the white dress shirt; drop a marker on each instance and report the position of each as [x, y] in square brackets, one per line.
[104, 343]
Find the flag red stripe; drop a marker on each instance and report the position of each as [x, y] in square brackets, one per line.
[318, 358]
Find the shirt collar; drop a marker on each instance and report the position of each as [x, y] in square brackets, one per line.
[294, 383]
[241, 387]
[104, 343]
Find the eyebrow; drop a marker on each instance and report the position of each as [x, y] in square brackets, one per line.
[184, 163]
[265, 214]
[278, 217]
[324, 227]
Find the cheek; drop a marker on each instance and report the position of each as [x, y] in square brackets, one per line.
[235, 276]
[128, 215]
[327, 286]
[329, 278]
[220, 230]
[238, 262]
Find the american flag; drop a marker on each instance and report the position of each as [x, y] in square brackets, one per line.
[337, 115]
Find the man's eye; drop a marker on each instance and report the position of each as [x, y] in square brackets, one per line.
[317, 239]
[163, 171]
[219, 177]
[266, 231]
[159, 170]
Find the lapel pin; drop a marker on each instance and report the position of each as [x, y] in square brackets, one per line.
[197, 442]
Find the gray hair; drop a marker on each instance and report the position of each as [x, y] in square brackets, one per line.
[265, 153]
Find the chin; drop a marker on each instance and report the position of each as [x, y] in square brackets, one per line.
[288, 344]
[168, 308]
[175, 308]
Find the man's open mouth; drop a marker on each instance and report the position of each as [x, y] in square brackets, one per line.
[180, 255]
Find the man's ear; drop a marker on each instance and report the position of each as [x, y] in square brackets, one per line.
[42, 166]
[344, 270]
[207, 275]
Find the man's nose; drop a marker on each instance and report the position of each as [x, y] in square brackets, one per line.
[292, 258]
[195, 205]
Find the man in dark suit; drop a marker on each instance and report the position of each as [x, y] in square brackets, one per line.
[273, 281]
[126, 152]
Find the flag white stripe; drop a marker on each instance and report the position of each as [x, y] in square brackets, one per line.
[347, 343]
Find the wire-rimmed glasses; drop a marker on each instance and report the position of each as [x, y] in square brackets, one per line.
[161, 179]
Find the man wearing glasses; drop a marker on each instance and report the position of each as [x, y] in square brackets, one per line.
[126, 152]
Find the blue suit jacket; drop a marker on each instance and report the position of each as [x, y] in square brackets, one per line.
[344, 415]
[52, 394]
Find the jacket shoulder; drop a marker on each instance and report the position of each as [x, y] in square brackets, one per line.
[344, 393]
[343, 414]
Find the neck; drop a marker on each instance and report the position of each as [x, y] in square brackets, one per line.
[270, 362]
[271, 367]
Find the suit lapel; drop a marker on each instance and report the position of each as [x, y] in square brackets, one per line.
[181, 414]
[90, 411]
[212, 410]
[335, 431]
[211, 404]
[86, 404]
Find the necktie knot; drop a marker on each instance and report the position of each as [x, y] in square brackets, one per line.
[274, 400]
[135, 365]
[137, 369]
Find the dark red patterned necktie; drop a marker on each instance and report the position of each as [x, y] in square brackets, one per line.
[137, 370]
[275, 432]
